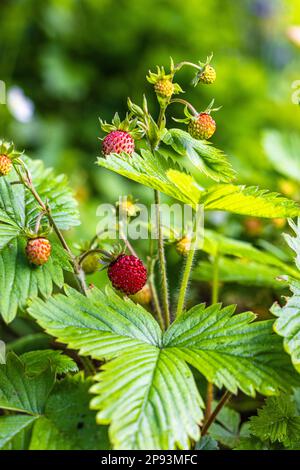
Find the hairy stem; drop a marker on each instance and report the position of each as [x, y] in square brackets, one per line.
[214, 299]
[162, 260]
[127, 242]
[215, 413]
[185, 280]
[27, 181]
[154, 296]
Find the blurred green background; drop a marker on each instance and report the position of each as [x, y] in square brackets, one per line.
[67, 62]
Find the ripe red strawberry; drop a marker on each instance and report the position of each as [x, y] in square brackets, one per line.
[202, 126]
[127, 274]
[208, 75]
[164, 88]
[118, 142]
[5, 165]
[38, 250]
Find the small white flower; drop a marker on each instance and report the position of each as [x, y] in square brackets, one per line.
[293, 33]
[20, 106]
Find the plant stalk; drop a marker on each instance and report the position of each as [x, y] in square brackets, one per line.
[214, 299]
[215, 413]
[27, 181]
[162, 260]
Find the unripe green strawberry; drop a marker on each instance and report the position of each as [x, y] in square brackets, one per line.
[90, 263]
[38, 250]
[208, 75]
[202, 127]
[144, 296]
[183, 246]
[164, 88]
[5, 165]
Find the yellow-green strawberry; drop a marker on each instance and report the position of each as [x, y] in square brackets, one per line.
[90, 264]
[5, 165]
[164, 88]
[144, 296]
[208, 75]
[183, 245]
[202, 127]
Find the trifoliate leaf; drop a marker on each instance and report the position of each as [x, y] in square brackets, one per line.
[147, 378]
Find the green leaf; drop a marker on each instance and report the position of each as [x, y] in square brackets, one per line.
[283, 152]
[215, 243]
[248, 201]
[146, 391]
[59, 415]
[277, 421]
[206, 158]
[21, 389]
[56, 191]
[12, 211]
[294, 242]
[20, 281]
[153, 170]
[157, 172]
[107, 327]
[68, 424]
[241, 271]
[207, 443]
[12, 429]
[227, 428]
[152, 383]
[230, 350]
[288, 323]
[37, 361]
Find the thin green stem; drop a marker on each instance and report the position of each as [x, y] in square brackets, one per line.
[87, 365]
[127, 242]
[162, 260]
[185, 279]
[211, 419]
[186, 103]
[27, 181]
[188, 265]
[214, 299]
[154, 296]
[185, 62]
[215, 284]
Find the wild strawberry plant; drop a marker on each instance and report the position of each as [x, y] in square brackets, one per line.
[141, 365]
